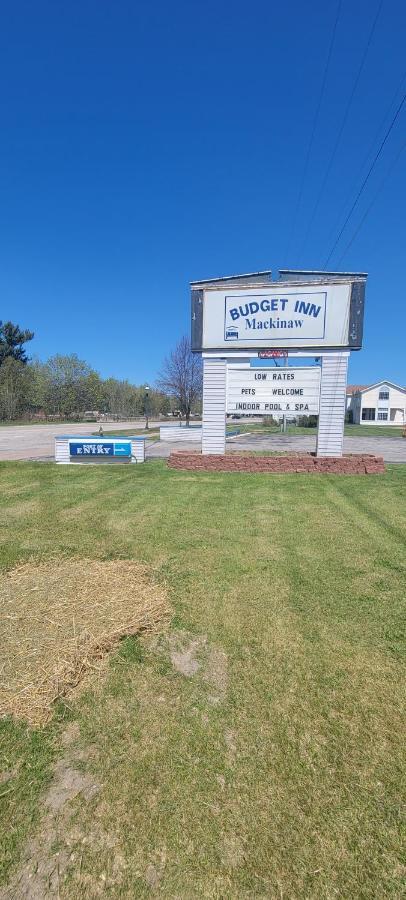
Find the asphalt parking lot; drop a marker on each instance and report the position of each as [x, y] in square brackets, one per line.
[36, 442]
[392, 449]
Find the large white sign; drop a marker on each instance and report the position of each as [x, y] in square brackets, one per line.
[306, 315]
[273, 392]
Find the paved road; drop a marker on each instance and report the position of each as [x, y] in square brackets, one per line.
[37, 442]
[392, 449]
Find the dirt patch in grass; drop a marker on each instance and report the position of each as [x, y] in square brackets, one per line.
[48, 856]
[69, 782]
[60, 618]
[216, 674]
[184, 651]
[190, 654]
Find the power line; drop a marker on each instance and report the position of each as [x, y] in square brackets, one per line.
[315, 123]
[368, 209]
[367, 155]
[341, 129]
[366, 179]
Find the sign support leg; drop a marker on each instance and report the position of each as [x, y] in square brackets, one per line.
[330, 434]
[284, 421]
[214, 406]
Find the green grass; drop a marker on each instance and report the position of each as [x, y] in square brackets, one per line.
[275, 770]
[129, 432]
[7, 423]
[354, 430]
[245, 427]
[374, 430]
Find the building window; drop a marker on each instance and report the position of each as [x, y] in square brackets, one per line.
[368, 414]
[382, 416]
[384, 395]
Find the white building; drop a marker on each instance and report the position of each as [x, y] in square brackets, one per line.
[351, 390]
[383, 403]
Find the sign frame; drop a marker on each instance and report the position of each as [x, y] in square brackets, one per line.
[355, 311]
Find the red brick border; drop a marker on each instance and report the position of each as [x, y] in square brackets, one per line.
[305, 463]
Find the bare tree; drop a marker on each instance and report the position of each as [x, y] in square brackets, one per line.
[181, 377]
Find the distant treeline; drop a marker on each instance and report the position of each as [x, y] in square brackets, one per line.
[66, 387]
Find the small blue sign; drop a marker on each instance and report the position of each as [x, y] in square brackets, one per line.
[122, 448]
[100, 448]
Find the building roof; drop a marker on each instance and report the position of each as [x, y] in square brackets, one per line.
[361, 388]
[354, 388]
[398, 387]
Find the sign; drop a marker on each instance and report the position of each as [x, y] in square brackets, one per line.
[290, 316]
[100, 448]
[272, 354]
[273, 392]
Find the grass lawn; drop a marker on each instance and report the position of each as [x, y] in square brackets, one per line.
[354, 430]
[6, 423]
[129, 432]
[394, 431]
[245, 427]
[255, 748]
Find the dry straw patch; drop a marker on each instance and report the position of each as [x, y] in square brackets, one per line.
[59, 619]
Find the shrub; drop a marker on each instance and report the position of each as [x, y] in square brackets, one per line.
[307, 421]
[269, 420]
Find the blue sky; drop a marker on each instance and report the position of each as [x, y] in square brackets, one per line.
[148, 144]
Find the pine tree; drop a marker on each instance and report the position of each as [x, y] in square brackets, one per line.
[11, 342]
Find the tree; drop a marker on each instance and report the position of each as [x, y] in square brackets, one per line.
[121, 398]
[161, 404]
[11, 342]
[72, 386]
[14, 387]
[181, 377]
[38, 386]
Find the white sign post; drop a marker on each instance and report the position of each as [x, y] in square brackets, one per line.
[333, 390]
[214, 406]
